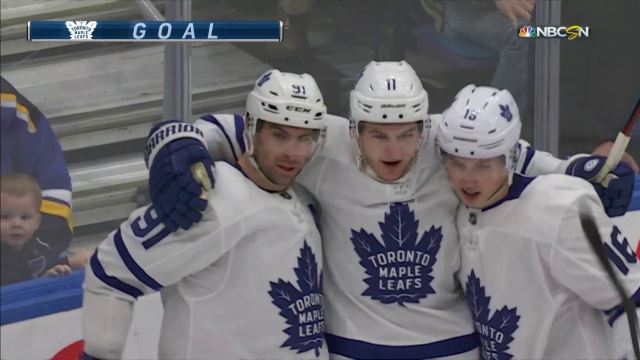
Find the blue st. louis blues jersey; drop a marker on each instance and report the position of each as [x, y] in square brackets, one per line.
[244, 283]
[390, 284]
[534, 285]
[29, 146]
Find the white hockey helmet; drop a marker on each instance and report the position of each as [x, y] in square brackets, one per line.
[481, 123]
[286, 99]
[387, 92]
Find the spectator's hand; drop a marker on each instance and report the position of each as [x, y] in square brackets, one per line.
[79, 259]
[605, 148]
[513, 9]
[58, 270]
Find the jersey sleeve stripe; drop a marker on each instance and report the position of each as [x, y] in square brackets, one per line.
[132, 265]
[239, 122]
[9, 100]
[358, 349]
[62, 195]
[616, 312]
[98, 271]
[527, 159]
[215, 121]
[55, 208]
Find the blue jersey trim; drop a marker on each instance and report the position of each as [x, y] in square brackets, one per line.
[616, 312]
[239, 122]
[527, 159]
[112, 281]
[635, 197]
[213, 120]
[515, 190]
[132, 265]
[358, 349]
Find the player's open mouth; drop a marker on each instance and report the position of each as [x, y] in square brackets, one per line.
[392, 163]
[470, 194]
[286, 168]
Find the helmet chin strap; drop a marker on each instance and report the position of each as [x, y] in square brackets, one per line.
[252, 169]
[502, 190]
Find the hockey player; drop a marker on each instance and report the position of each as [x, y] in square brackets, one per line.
[387, 220]
[245, 282]
[534, 285]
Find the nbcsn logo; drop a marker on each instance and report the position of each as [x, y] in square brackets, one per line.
[570, 32]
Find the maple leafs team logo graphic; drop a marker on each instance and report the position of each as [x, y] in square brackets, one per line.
[302, 306]
[496, 333]
[399, 266]
[81, 30]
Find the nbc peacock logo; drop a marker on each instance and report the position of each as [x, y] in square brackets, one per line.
[527, 31]
[549, 32]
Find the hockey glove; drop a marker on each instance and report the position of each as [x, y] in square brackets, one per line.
[617, 196]
[172, 147]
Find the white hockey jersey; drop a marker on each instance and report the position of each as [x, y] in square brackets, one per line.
[534, 285]
[390, 286]
[244, 283]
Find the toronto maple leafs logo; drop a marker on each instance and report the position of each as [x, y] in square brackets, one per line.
[399, 266]
[302, 306]
[505, 112]
[81, 30]
[496, 332]
[266, 77]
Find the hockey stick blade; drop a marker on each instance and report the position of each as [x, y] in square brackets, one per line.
[595, 240]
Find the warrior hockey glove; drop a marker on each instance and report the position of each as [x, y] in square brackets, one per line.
[172, 147]
[617, 196]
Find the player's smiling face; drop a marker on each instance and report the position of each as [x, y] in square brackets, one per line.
[389, 149]
[477, 182]
[19, 220]
[282, 151]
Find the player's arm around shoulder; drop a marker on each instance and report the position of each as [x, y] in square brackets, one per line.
[223, 135]
[573, 261]
[141, 256]
[337, 143]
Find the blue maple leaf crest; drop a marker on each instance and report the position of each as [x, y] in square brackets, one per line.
[399, 267]
[266, 77]
[496, 332]
[302, 306]
[505, 112]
